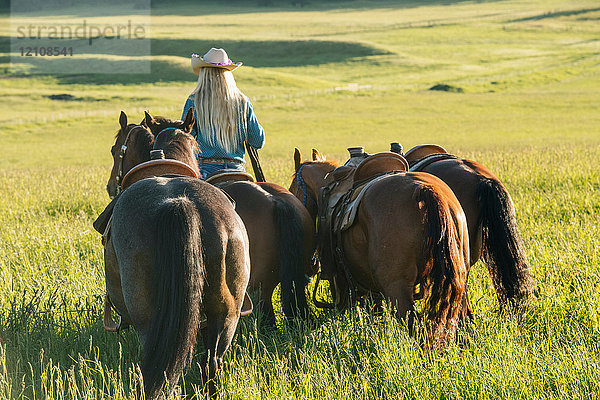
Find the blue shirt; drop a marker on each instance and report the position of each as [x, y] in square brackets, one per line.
[253, 132]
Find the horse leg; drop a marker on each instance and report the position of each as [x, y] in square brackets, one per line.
[217, 338]
[266, 295]
[113, 283]
[400, 292]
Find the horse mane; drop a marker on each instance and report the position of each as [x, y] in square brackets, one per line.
[159, 120]
[176, 142]
[178, 145]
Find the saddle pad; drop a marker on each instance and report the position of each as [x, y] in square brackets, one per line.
[228, 175]
[347, 214]
[157, 168]
[422, 151]
[379, 163]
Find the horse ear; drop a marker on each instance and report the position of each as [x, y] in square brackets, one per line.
[148, 119]
[316, 156]
[123, 120]
[297, 158]
[189, 122]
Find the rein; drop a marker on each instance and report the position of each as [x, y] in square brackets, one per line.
[122, 151]
[159, 133]
[302, 186]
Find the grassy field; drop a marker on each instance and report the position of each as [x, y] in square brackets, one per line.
[327, 76]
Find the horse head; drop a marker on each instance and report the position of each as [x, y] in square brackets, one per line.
[157, 124]
[309, 177]
[174, 138]
[132, 147]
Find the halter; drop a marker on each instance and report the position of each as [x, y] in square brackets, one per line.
[302, 186]
[119, 177]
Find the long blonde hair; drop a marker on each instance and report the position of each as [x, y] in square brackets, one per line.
[220, 107]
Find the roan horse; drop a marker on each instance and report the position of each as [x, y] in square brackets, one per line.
[176, 250]
[408, 241]
[280, 230]
[493, 233]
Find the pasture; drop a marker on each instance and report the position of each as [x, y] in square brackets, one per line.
[328, 75]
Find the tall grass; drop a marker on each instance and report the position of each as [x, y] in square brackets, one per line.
[326, 76]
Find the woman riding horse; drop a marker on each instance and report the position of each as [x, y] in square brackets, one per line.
[224, 116]
[279, 228]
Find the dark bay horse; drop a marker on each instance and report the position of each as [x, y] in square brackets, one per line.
[280, 230]
[409, 241]
[176, 250]
[493, 233]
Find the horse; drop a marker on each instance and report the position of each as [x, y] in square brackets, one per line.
[280, 230]
[493, 232]
[409, 232]
[175, 250]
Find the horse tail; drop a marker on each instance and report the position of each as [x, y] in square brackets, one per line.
[503, 250]
[445, 272]
[178, 280]
[291, 260]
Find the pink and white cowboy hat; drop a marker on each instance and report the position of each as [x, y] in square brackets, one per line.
[214, 58]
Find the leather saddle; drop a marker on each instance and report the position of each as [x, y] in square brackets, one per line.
[144, 170]
[351, 183]
[157, 168]
[421, 156]
[228, 175]
[342, 197]
[379, 163]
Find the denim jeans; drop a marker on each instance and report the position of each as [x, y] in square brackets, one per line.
[208, 168]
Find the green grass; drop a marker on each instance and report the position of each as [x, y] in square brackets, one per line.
[329, 76]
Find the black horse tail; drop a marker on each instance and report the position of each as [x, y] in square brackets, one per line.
[445, 273]
[503, 250]
[291, 260]
[178, 281]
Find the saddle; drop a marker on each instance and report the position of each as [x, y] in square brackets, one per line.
[159, 167]
[228, 175]
[419, 152]
[341, 199]
[419, 157]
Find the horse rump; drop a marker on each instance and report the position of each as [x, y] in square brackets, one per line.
[178, 280]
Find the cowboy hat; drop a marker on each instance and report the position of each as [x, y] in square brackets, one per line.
[214, 58]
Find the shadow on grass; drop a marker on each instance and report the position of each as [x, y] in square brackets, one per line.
[258, 54]
[213, 7]
[558, 14]
[218, 7]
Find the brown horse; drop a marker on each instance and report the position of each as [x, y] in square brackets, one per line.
[280, 230]
[493, 233]
[176, 249]
[409, 232]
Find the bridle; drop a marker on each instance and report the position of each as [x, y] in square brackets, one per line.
[122, 151]
[302, 186]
